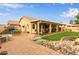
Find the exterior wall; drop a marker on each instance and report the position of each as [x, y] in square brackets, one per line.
[25, 25]
[75, 29]
[18, 27]
[34, 30]
[68, 28]
[72, 28]
[2, 28]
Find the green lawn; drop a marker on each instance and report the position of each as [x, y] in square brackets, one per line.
[58, 36]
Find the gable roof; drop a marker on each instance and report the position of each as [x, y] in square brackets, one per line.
[13, 22]
[32, 19]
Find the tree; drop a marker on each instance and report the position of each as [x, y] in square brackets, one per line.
[71, 21]
[77, 19]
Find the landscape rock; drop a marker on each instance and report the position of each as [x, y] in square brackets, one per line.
[36, 38]
[42, 42]
[66, 47]
[69, 38]
[76, 49]
[77, 41]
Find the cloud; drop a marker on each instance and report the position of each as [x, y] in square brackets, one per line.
[31, 6]
[72, 12]
[11, 5]
[4, 14]
[71, 4]
[16, 5]
[7, 9]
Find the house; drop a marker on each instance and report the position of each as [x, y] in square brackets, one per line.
[68, 27]
[14, 23]
[2, 28]
[73, 27]
[35, 25]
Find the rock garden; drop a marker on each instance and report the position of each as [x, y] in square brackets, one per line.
[67, 45]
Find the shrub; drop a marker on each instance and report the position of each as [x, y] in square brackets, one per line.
[16, 32]
[11, 30]
[8, 30]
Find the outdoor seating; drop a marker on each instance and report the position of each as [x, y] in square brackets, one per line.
[5, 37]
[2, 39]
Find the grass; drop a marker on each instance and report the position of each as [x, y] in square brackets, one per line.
[58, 36]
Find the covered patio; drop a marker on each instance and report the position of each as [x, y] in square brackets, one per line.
[45, 27]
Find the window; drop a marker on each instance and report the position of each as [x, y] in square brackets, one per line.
[23, 26]
[33, 26]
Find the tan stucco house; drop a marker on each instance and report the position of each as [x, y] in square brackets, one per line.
[72, 27]
[35, 25]
[14, 23]
[2, 28]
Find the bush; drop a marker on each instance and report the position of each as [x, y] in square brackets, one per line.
[16, 32]
[11, 30]
[8, 30]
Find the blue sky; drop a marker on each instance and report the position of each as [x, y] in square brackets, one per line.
[62, 12]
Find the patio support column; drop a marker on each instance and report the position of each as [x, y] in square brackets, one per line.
[50, 29]
[57, 28]
[38, 27]
[41, 29]
[62, 28]
[31, 28]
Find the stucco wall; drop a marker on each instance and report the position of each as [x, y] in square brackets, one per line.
[2, 28]
[25, 25]
[75, 29]
[68, 28]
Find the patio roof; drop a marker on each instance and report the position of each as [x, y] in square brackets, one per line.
[32, 19]
[45, 21]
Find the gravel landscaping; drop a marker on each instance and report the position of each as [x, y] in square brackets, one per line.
[68, 45]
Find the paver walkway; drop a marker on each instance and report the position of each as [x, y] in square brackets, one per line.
[23, 45]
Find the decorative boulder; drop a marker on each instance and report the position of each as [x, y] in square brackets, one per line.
[42, 42]
[69, 38]
[67, 50]
[36, 38]
[77, 41]
[10, 36]
[76, 49]
[55, 45]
